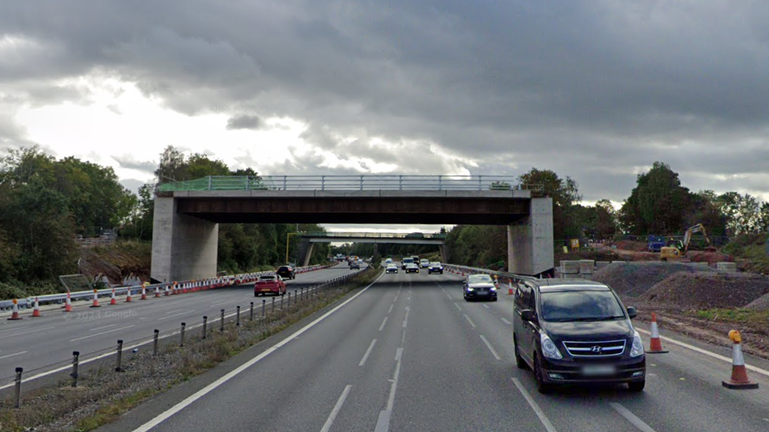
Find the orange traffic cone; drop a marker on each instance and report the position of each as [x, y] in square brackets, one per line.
[173, 290]
[128, 296]
[36, 310]
[144, 292]
[68, 303]
[15, 314]
[167, 291]
[655, 347]
[739, 380]
[157, 291]
[184, 288]
[95, 299]
[113, 300]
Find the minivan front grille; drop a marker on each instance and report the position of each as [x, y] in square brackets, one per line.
[595, 349]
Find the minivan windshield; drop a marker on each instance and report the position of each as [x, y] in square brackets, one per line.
[566, 306]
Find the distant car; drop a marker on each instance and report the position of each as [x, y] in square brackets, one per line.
[269, 284]
[391, 268]
[286, 272]
[424, 263]
[354, 265]
[479, 287]
[435, 267]
[412, 268]
[406, 262]
[389, 261]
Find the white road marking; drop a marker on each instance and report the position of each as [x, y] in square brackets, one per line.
[491, 348]
[537, 410]
[506, 321]
[470, 321]
[391, 308]
[211, 387]
[27, 332]
[398, 354]
[368, 352]
[629, 416]
[383, 324]
[335, 411]
[102, 333]
[459, 308]
[103, 327]
[174, 310]
[406, 318]
[486, 306]
[11, 355]
[706, 352]
[176, 315]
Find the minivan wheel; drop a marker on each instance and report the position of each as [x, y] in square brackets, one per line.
[542, 386]
[518, 359]
[636, 386]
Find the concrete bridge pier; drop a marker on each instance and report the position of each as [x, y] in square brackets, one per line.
[183, 247]
[307, 247]
[530, 240]
[443, 253]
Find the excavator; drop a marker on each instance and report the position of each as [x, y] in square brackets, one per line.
[679, 250]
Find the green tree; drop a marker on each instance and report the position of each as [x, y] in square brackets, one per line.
[606, 220]
[657, 204]
[565, 194]
[743, 213]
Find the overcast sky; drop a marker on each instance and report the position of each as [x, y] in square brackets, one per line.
[594, 90]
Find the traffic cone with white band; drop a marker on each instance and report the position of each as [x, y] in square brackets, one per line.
[113, 300]
[144, 292]
[68, 303]
[167, 291]
[128, 298]
[95, 303]
[36, 309]
[655, 346]
[15, 314]
[157, 291]
[739, 380]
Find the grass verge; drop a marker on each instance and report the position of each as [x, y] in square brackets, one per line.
[737, 315]
[103, 395]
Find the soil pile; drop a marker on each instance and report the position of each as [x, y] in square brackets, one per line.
[632, 245]
[760, 304]
[633, 279]
[706, 290]
[709, 257]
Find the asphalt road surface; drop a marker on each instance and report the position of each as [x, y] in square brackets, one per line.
[408, 354]
[46, 343]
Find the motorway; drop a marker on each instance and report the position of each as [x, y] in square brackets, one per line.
[408, 354]
[42, 344]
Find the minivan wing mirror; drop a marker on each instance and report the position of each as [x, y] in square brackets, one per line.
[528, 315]
[631, 312]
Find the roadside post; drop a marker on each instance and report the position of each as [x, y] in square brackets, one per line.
[75, 364]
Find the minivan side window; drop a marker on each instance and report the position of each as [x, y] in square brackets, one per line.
[531, 302]
[522, 296]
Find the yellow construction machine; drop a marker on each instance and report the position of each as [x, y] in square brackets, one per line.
[680, 249]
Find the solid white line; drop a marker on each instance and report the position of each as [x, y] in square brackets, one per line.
[176, 315]
[337, 407]
[506, 321]
[706, 352]
[383, 324]
[470, 321]
[102, 333]
[103, 327]
[11, 355]
[211, 387]
[491, 348]
[537, 410]
[368, 352]
[637, 422]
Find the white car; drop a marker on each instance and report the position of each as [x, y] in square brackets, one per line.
[391, 268]
[435, 267]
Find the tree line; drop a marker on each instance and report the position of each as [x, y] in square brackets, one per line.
[47, 203]
[659, 204]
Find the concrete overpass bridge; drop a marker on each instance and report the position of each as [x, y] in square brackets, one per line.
[187, 214]
[308, 239]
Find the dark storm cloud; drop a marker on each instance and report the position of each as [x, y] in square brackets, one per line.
[595, 90]
[244, 121]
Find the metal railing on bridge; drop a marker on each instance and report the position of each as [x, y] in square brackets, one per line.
[374, 235]
[351, 182]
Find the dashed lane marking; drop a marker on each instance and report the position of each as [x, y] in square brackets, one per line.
[102, 333]
[537, 410]
[13, 355]
[368, 353]
[506, 321]
[491, 348]
[632, 418]
[383, 324]
[337, 407]
[469, 320]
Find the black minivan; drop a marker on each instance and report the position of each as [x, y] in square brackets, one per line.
[576, 331]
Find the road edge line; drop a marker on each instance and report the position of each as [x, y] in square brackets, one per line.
[537, 410]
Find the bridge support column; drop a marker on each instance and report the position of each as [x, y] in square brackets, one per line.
[183, 247]
[530, 240]
[308, 254]
[443, 253]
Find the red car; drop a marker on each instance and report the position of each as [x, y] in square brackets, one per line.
[269, 284]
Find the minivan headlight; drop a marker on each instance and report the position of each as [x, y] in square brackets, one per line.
[638, 345]
[549, 349]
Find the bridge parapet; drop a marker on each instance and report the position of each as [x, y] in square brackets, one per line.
[352, 183]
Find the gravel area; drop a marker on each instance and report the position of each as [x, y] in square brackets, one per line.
[707, 290]
[633, 279]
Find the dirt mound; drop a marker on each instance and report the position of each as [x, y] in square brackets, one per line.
[709, 257]
[632, 245]
[706, 290]
[117, 261]
[633, 279]
[760, 304]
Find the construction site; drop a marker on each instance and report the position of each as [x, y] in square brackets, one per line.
[701, 293]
